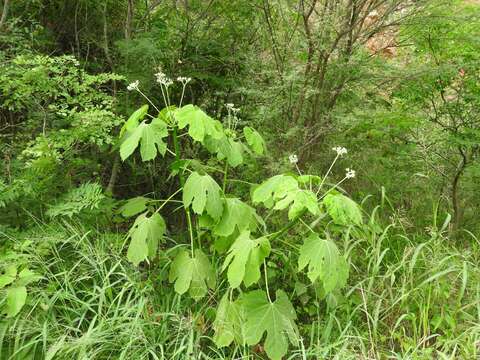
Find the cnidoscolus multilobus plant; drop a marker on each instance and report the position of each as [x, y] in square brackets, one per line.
[226, 226]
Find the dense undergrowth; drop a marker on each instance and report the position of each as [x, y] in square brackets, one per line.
[407, 297]
[144, 215]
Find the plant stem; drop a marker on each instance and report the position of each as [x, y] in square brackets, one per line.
[225, 173]
[176, 146]
[266, 281]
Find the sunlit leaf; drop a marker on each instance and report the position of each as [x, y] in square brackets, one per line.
[342, 209]
[194, 275]
[245, 258]
[145, 235]
[202, 193]
[276, 319]
[324, 262]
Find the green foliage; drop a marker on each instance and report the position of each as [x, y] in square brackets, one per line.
[254, 140]
[237, 216]
[228, 322]
[245, 258]
[13, 284]
[342, 209]
[145, 235]
[150, 138]
[86, 197]
[203, 194]
[284, 191]
[193, 274]
[324, 263]
[276, 319]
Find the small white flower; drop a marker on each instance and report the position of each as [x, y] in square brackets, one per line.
[163, 79]
[293, 159]
[350, 173]
[229, 105]
[184, 80]
[133, 85]
[340, 150]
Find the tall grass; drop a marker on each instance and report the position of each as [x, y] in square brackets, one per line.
[408, 297]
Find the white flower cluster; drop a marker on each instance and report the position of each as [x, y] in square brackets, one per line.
[163, 79]
[340, 150]
[293, 159]
[231, 107]
[350, 173]
[184, 80]
[133, 85]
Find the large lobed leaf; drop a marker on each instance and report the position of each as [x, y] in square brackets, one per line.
[228, 322]
[276, 318]
[145, 235]
[324, 262]
[203, 194]
[283, 191]
[195, 274]
[245, 258]
[150, 136]
[236, 216]
[343, 210]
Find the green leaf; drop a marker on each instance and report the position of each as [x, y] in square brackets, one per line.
[225, 148]
[324, 262]
[228, 322]
[25, 277]
[134, 120]
[275, 188]
[199, 123]
[9, 276]
[283, 190]
[300, 200]
[276, 318]
[150, 138]
[203, 193]
[254, 140]
[134, 206]
[236, 215]
[245, 258]
[342, 209]
[194, 274]
[16, 297]
[145, 234]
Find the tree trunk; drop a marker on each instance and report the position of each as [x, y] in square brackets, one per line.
[457, 211]
[4, 13]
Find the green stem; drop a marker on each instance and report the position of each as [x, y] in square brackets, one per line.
[288, 226]
[225, 173]
[176, 146]
[266, 281]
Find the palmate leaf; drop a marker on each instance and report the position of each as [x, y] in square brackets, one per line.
[245, 258]
[342, 209]
[194, 275]
[9, 276]
[225, 148]
[199, 124]
[254, 140]
[299, 200]
[283, 191]
[16, 297]
[236, 216]
[228, 322]
[134, 206]
[145, 235]
[203, 194]
[150, 136]
[134, 120]
[324, 262]
[276, 318]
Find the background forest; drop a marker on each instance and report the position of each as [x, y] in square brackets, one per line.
[239, 179]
